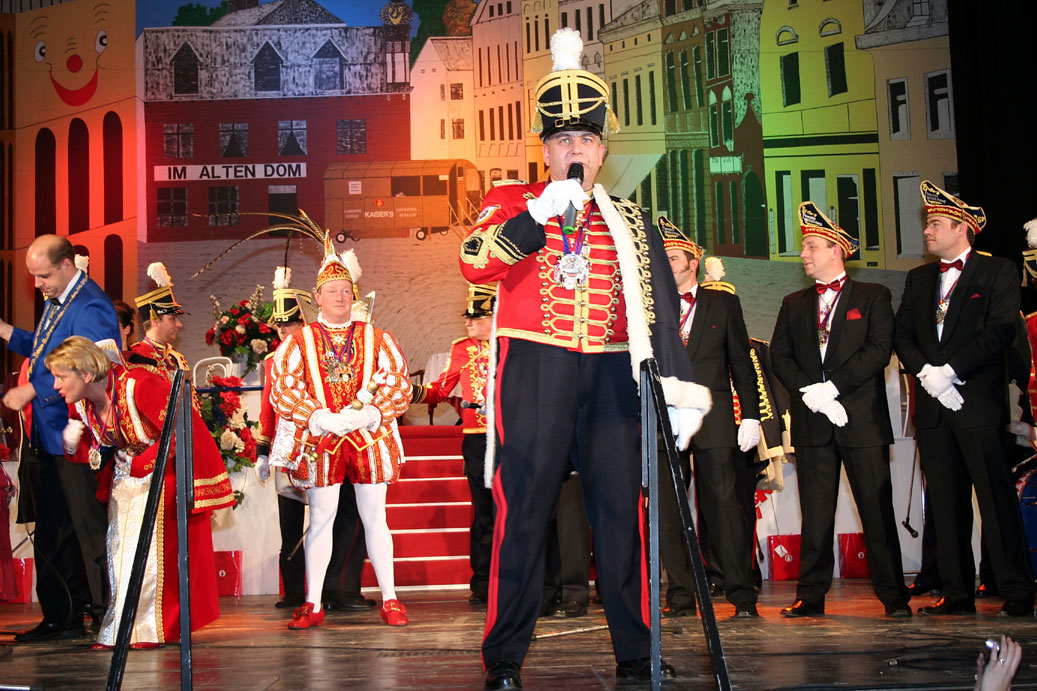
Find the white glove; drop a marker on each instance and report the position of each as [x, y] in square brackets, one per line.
[263, 467]
[323, 421]
[936, 380]
[835, 413]
[951, 399]
[555, 199]
[748, 435]
[71, 435]
[374, 417]
[684, 423]
[1024, 434]
[123, 460]
[816, 396]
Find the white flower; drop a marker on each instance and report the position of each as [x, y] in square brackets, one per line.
[237, 420]
[259, 346]
[224, 319]
[228, 440]
[240, 329]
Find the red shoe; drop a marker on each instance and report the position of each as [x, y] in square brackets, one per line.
[305, 617]
[394, 613]
[100, 646]
[143, 645]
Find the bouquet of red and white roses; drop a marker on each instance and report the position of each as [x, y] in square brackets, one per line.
[243, 330]
[224, 414]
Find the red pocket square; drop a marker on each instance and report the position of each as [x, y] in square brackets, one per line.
[974, 296]
[853, 314]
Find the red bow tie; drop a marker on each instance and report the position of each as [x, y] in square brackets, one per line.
[835, 285]
[956, 264]
[688, 297]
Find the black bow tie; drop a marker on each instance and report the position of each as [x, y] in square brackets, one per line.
[54, 301]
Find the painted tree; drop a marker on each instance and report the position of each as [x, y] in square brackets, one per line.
[197, 14]
[430, 17]
[457, 17]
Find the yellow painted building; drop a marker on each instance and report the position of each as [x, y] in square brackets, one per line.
[820, 132]
[69, 133]
[915, 104]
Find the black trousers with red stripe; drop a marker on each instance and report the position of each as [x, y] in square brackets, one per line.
[555, 406]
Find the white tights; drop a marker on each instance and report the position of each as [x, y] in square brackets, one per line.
[370, 502]
[323, 507]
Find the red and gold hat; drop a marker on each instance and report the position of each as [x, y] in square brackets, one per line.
[813, 222]
[674, 239]
[939, 202]
[337, 267]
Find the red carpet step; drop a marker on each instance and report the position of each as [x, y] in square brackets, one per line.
[429, 511]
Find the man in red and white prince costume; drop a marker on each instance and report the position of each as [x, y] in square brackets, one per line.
[341, 384]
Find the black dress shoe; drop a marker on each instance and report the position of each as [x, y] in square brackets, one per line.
[801, 608]
[945, 606]
[548, 608]
[477, 598]
[746, 611]
[640, 670]
[503, 674]
[571, 609]
[290, 601]
[985, 590]
[674, 611]
[1016, 608]
[346, 602]
[898, 610]
[715, 590]
[44, 631]
[917, 589]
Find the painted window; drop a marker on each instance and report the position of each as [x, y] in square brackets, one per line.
[714, 120]
[112, 168]
[45, 183]
[671, 82]
[458, 128]
[171, 206]
[790, 79]
[736, 223]
[178, 140]
[457, 92]
[223, 205]
[282, 199]
[685, 81]
[233, 139]
[651, 96]
[351, 136]
[899, 110]
[700, 87]
[637, 99]
[78, 176]
[291, 137]
[727, 118]
[723, 53]
[327, 68]
[185, 71]
[785, 214]
[266, 69]
[835, 65]
[938, 105]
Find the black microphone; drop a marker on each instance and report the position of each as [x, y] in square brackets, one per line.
[569, 220]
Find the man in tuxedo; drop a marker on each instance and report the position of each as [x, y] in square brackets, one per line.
[70, 523]
[954, 329]
[831, 345]
[717, 343]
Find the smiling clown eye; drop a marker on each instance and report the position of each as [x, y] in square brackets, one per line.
[101, 42]
[40, 51]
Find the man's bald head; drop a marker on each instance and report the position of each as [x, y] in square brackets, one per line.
[52, 262]
[54, 248]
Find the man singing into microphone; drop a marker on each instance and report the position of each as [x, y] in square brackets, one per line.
[576, 314]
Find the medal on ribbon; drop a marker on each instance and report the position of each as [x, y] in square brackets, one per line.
[573, 268]
[335, 363]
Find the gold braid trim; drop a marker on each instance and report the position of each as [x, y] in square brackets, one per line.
[634, 220]
[481, 245]
[766, 409]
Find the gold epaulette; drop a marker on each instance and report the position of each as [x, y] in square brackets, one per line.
[458, 340]
[1030, 315]
[501, 183]
[985, 254]
[719, 285]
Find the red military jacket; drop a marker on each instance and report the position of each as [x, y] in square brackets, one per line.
[469, 359]
[531, 304]
[267, 416]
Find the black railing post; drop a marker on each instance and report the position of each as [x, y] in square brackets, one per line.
[147, 531]
[652, 385]
[650, 480]
[184, 504]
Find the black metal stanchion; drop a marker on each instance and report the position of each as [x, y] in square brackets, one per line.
[184, 503]
[651, 384]
[147, 530]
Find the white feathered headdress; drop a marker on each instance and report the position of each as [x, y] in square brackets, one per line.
[282, 277]
[157, 273]
[1031, 232]
[82, 262]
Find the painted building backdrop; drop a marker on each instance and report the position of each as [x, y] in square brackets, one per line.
[144, 141]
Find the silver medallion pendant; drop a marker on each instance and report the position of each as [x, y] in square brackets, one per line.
[572, 271]
[335, 371]
[95, 459]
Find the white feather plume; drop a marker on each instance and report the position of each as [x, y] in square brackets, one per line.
[1031, 232]
[82, 262]
[157, 273]
[352, 264]
[714, 269]
[282, 277]
[566, 50]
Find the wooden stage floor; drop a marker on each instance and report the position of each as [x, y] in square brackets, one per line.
[249, 647]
